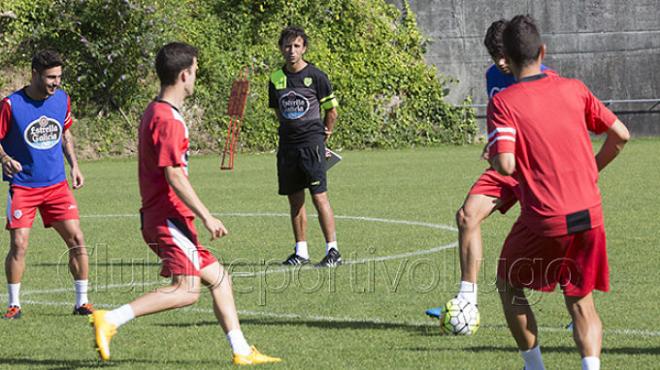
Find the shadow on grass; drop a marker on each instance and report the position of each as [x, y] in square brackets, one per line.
[75, 364]
[321, 324]
[650, 351]
[572, 349]
[54, 363]
[632, 351]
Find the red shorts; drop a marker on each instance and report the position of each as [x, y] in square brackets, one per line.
[55, 203]
[578, 262]
[492, 184]
[175, 242]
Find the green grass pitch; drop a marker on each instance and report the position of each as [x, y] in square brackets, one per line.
[395, 222]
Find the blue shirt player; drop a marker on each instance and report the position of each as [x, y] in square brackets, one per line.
[34, 139]
[499, 77]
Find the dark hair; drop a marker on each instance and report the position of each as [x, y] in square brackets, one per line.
[522, 40]
[292, 32]
[46, 59]
[493, 39]
[172, 59]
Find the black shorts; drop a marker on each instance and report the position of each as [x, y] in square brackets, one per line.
[300, 168]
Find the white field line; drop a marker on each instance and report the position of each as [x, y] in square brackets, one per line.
[345, 319]
[268, 214]
[351, 262]
[268, 271]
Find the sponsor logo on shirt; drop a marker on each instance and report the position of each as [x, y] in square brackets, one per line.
[293, 105]
[495, 90]
[43, 133]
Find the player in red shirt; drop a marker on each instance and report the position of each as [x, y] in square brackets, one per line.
[169, 205]
[539, 130]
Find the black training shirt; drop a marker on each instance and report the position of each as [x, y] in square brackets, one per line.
[299, 98]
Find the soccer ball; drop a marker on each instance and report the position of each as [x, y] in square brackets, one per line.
[459, 317]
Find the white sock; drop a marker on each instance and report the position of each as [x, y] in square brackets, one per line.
[238, 343]
[81, 292]
[590, 363]
[533, 360]
[331, 245]
[14, 290]
[121, 315]
[301, 249]
[468, 292]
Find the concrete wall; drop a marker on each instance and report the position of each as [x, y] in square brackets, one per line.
[611, 45]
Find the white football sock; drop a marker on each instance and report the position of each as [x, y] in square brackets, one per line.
[81, 292]
[121, 315]
[14, 291]
[301, 249]
[331, 245]
[590, 363]
[238, 343]
[533, 359]
[468, 292]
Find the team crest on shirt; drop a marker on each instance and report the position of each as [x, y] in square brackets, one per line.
[307, 81]
[43, 133]
[293, 105]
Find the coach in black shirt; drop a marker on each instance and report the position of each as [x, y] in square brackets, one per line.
[298, 92]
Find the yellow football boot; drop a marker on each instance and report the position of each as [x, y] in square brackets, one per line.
[254, 358]
[103, 333]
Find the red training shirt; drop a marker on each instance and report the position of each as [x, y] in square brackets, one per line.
[544, 120]
[162, 142]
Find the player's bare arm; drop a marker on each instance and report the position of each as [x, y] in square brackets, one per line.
[329, 122]
[10, 166]
[184, 190]
[504, 163]
[617, 137]
[69, 152]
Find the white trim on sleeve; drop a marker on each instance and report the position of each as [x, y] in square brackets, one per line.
[508, 130]
[507, 138]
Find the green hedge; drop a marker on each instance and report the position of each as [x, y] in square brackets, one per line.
[373, 54]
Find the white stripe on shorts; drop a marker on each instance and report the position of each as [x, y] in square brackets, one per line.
[9, 204]
[185, 244]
